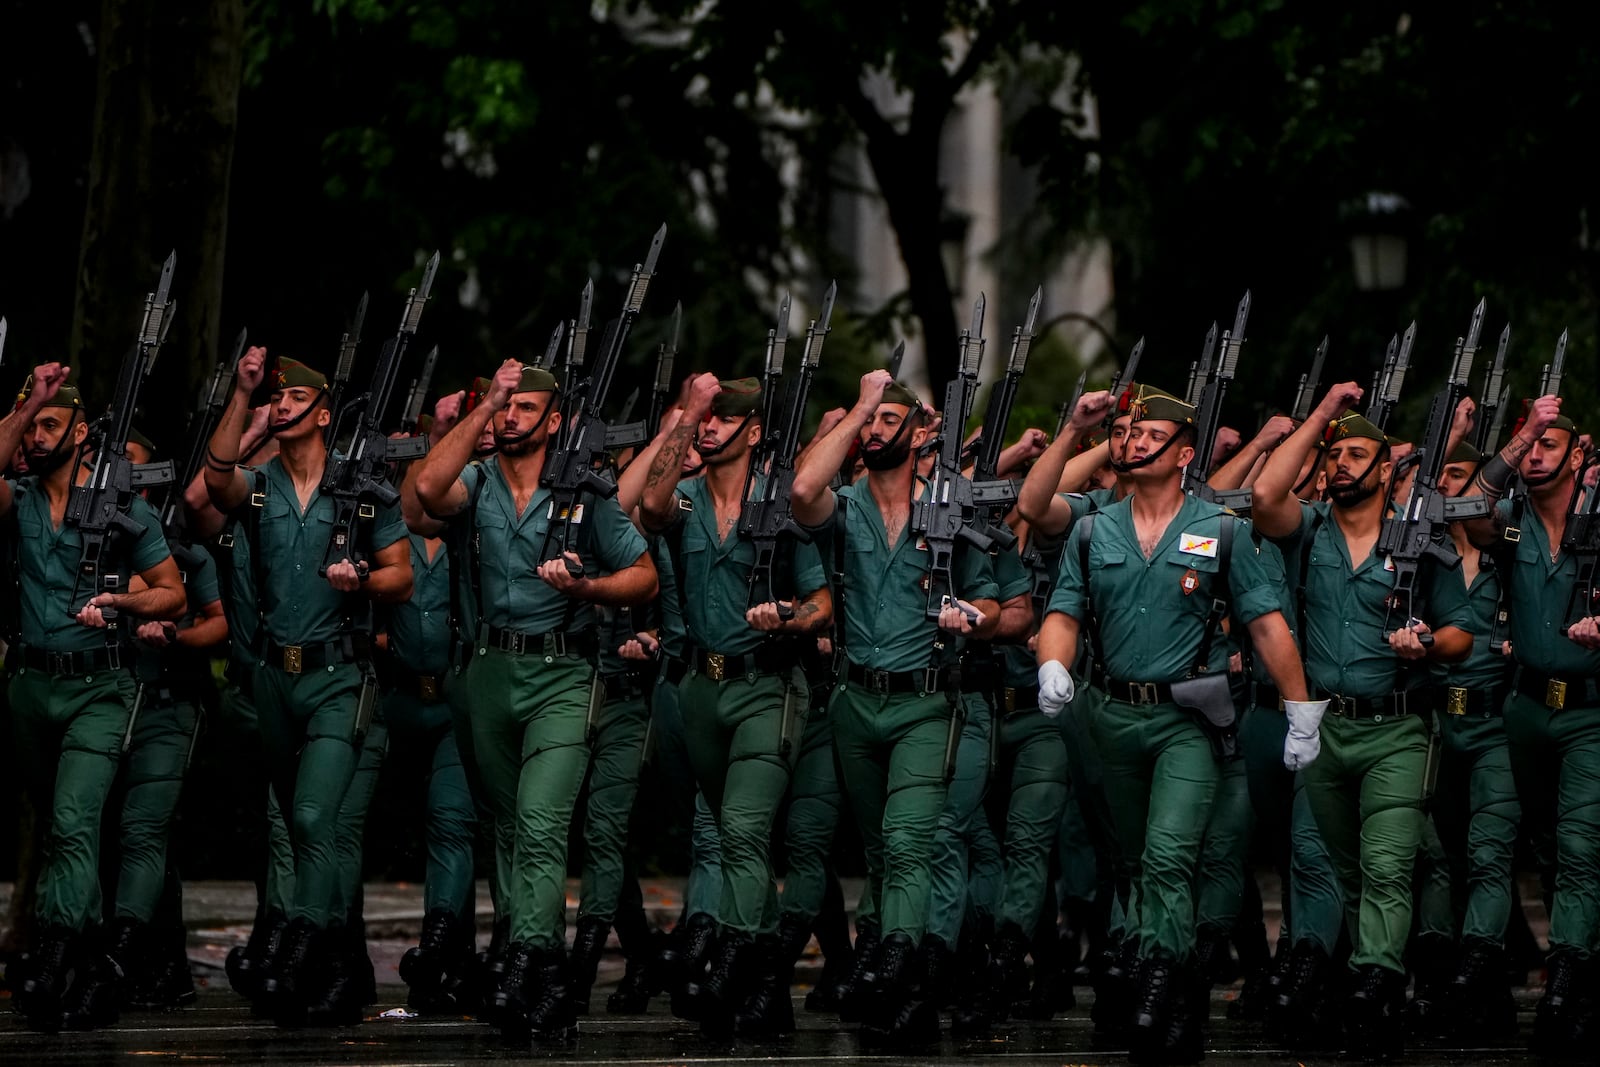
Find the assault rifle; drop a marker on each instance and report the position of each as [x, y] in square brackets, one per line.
[1386, 395]
[1420, 529]
[570, 469]
[1306, 395]
[1492, 407]
[661, 393]
[341, 370]
[1003, 395]
[98, 509]
[411, 414]
[1549, 385]
[1208, 414]
[1200, 370]
[766, 518]
[212, 402]
[359, 480]
[625, 434]
[952, 510]
[1582, 540]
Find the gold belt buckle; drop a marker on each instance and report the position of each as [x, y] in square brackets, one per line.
[1455, 700]
[293, 659]
[1142, 693]
[427, 687]
[1555, 694]
[1011, 700]
[715, 662]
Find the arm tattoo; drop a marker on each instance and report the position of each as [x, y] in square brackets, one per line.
[669, 457]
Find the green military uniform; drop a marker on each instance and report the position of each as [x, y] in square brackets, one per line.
[71, 695]
[892, 732]
[1366, 788]
[742, 727]
[533, 689]
[815, 803]
[158, 755]
[1160, 773]
[308, 679]
[1553, 727]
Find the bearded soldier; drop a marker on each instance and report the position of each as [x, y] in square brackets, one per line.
[1551, 718]
[71, 691]
[532, 676]
[894, 724]
[1149, 579]
[1368, 787]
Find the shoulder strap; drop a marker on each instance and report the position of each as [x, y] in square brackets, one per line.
[1091, 622]
[1306, 544]
[841, 532]
[1219, 595]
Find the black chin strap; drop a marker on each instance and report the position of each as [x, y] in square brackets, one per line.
[321, 398]
[717, 450]
[1125, 467]
[904, 425]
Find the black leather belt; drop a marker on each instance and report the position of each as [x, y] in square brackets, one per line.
[428, 688]
[1559, 691]
[1388, 706]
[888, 683]
[765, 659]
[580, 645]
[297, 659]
[1019, 698]
[1266, 696]
[1478, 703]
[70, 663]
[620, 687]
[1139, 693]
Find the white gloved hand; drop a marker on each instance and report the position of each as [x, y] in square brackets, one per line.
[1304, 742]
[1055, 687]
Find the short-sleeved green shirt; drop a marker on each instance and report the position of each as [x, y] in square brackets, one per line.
[1011, 576]
[1486, 666]
[673, 636]
[49, 556]
[886, 624]
[716, 576]
[1151, 613]
[1347, 620]
[299, 606]
[1539, 595]
[419, 629]
[1272, 562]
[200, 587]
[242, 608]
[510, 547]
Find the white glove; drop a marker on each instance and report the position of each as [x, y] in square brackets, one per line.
[1304, 742]
[1055, 687]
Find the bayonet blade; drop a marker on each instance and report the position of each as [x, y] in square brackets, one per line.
[1309, 383]
[349, 342]
[1233, 340]
[643, 274]
[627, 406]
[1552, 382]
[669, 351]
[580, 329]
[1402, 362]
[2, 341]
[1125, 377]
[818, 333]
[1022, 340]
[552, 349]
[972, 341]
[897, 357]
[1072, 403]
[156, 306]
[1497, 370]
[419, 297]
[778, 338]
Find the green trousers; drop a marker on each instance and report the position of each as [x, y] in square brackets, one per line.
[1476, 809]
[959, 822]
[815, 801]
[688, 807]
[308, 724]
[68, 733]
[1160, 778]
[892, 752]
[1219, 887]
[497, 868]
[1088, 831]
[422, 737]
[1313, 904]
[153, 770]
[743, 733]
[1366, 790]
[613, 782]
[1027, 797]
[1555, 756]
[530, 720]
[1434, 910]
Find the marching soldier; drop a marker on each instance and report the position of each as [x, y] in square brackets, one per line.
[311, 683]
[1130, 577]
[532, 676]
[1550, 718]
[71, 692]
[894, 726]
[744, 699]
[1368, 787]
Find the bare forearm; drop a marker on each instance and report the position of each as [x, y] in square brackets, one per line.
[661, 484]
[1275, 648]
[161, 602]
[1058, 639]
[635, 477]
[636, 584]
[221, 474]
[811, 495]
[1039, 487]
[811, 615]
[1016, 620]
[208, 631]
[442, 466]
[1232, 474]
[990, 626]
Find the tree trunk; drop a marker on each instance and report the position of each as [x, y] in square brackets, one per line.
[166, 112]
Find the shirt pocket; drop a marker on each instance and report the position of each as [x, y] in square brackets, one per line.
[1197, 577]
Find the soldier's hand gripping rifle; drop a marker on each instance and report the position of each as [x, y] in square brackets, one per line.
[98, 509]
[571, 468]
[767, 516]
[1420, 529]
[1208, 414]
[948, 512]
[360, 479]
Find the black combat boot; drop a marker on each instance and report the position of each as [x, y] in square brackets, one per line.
[1005, 984]
[838, 962]
[513, 998]
[588, 945]
[693, 964]
[901, 1015]
[130, 949]
[1292, 1011]
[550, 1014]
[1114, 994]
[168, 984]
[1191, 1005]
[1262, 974]
[489, 967]
[334, 990]
[939, 965]
[767, 1011]
[436, 969]
[93, 991]
[1562, 1008]
[283, 970]
[1160, 987]
[46, 972]
[1479, 999]
[642, 979]
[245, 962]
[727, 983]
[1375, 1014]
[860, 987]
[1432, 960]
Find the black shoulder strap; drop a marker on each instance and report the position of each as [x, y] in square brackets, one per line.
[1219, 595]
[1306, 544]
[1091, 622]
[841, 531]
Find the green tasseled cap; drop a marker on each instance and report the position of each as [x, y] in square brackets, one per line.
[1149, 403]
[1354, 425]
[1465, 453]
[292, 374]
[739, 397]
[536, 380]
[900, 393]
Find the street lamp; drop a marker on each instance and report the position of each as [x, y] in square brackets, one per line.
[1378, 225]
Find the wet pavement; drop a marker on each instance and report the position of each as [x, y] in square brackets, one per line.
[220, 1028]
